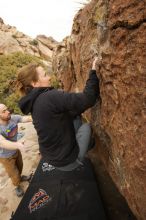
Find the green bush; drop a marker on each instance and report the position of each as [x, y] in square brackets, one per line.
[14, 36]
[9, 65]
[34, 42]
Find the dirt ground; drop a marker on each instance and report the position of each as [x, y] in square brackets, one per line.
[8, 199]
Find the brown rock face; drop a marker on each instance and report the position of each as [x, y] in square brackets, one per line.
[117, 31]
[63, 65]
[123, 100]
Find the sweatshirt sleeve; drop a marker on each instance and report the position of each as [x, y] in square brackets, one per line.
[77, 103]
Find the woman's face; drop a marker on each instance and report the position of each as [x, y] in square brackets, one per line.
[44, 79]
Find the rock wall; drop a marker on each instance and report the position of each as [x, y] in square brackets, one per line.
[115, 30]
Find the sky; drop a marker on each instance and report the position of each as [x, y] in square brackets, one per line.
[48, 17]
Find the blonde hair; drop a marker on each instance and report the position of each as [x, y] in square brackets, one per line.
[26, 76]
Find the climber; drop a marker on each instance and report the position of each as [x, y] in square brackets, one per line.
[10, 147]
[54, 114]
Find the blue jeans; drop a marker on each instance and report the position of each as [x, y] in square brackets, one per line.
[83, 136]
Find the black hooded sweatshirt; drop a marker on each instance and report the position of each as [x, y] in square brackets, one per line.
[53, 112]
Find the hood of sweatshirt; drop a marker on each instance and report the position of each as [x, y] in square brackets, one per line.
[26, 102]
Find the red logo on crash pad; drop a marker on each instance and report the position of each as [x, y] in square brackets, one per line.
[39, 199]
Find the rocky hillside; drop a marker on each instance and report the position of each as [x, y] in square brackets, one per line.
[17, 50]
[11, 40]
[116, 31]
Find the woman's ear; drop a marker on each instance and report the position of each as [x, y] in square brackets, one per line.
[35, 84]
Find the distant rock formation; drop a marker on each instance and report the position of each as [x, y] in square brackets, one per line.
[11, 40]
[116, 30]
[62, 64]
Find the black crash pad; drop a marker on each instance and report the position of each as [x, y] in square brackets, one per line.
[59, 195]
